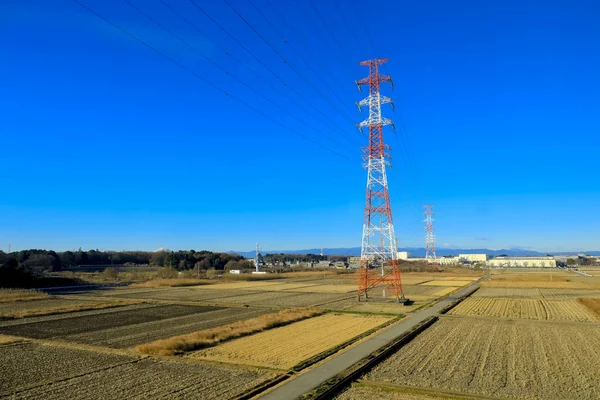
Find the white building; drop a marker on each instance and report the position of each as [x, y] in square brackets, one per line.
[404, 255]
[473, 258]
[522, 262]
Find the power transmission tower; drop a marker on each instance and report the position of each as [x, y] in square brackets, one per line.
[378, 238]
[430, 256]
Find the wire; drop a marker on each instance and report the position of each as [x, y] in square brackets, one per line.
[308, 65]
[230, 74]
[287, 62]
[263, 64]
[206, 81]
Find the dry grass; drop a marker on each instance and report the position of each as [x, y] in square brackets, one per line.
[445, 291]
[289, 345]
[538, 309]
[539, 284]
[592, 304]
[210, 337]
[10, 295]
[447, 283]
[36, 312]
[6, 339]
[173, 282]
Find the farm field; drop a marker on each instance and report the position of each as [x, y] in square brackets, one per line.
[367, 392]
[53, 305]
[132, 335]
[512, 359]
[447, 282]
[199, 294]
[281, 299]
[538, 309]
[91, 322]
[501, 292]
[273, 348]
[49, 372]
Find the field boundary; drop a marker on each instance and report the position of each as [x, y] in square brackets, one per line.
[390, 387]
[334, 385]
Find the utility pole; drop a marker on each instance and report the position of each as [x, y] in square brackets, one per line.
[378, 237]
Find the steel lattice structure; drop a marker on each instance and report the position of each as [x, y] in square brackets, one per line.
[379, 246]
[430, 256]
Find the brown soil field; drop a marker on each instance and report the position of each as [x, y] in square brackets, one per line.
[386, 307]
[95, 322]
[364, 392]
[174, 282]
[132, 335]
[244, 285]
[339, 288]
[552, 310]
[281, 299]
[287, 346]
[512, 359]
[10, 295]
[55, 305]
[56, 373]
[183, 294]
[26, 364]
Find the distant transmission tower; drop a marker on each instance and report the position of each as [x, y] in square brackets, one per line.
[256, 259]
[378, 238]
[430, 256]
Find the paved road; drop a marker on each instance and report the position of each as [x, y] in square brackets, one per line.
[308, 381]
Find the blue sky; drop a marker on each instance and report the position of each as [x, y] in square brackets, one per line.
[108, 145]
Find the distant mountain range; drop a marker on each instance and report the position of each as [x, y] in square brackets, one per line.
[419, 252]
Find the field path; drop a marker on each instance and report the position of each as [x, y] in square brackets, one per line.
[308, 381]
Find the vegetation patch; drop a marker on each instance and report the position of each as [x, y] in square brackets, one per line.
[211, 337]
[10, 295]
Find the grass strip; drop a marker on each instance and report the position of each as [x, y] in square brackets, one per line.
[11, 295]
[211, 337]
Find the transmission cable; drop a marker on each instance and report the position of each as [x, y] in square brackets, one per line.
[206, 81]
[230, 74]
[264, 65]
[287, 62]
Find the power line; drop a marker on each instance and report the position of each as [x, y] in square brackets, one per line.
[299, 55]
[287, 62]
[227, 72]
[263, 64]
[206, 81]
[242, 64]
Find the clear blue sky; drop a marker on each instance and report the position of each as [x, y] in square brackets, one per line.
[105, 144]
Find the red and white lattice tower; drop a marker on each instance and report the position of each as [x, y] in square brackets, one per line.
[430, 256]
[379, 248]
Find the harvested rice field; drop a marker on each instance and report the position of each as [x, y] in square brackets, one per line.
[367, 392]
[551, 310]
[281, 299]
[132, 335]
[53, 305]
[445, 291]
[187, 294]
[447, 283]
[512, 359]
[274, 349]
[59, 327]
[339, 288]
[539, 284]
[58, 373]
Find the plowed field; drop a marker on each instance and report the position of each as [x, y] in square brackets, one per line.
[555, 310]
[446, 283]
[57, 373]
[287, 346]
[513, 359]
